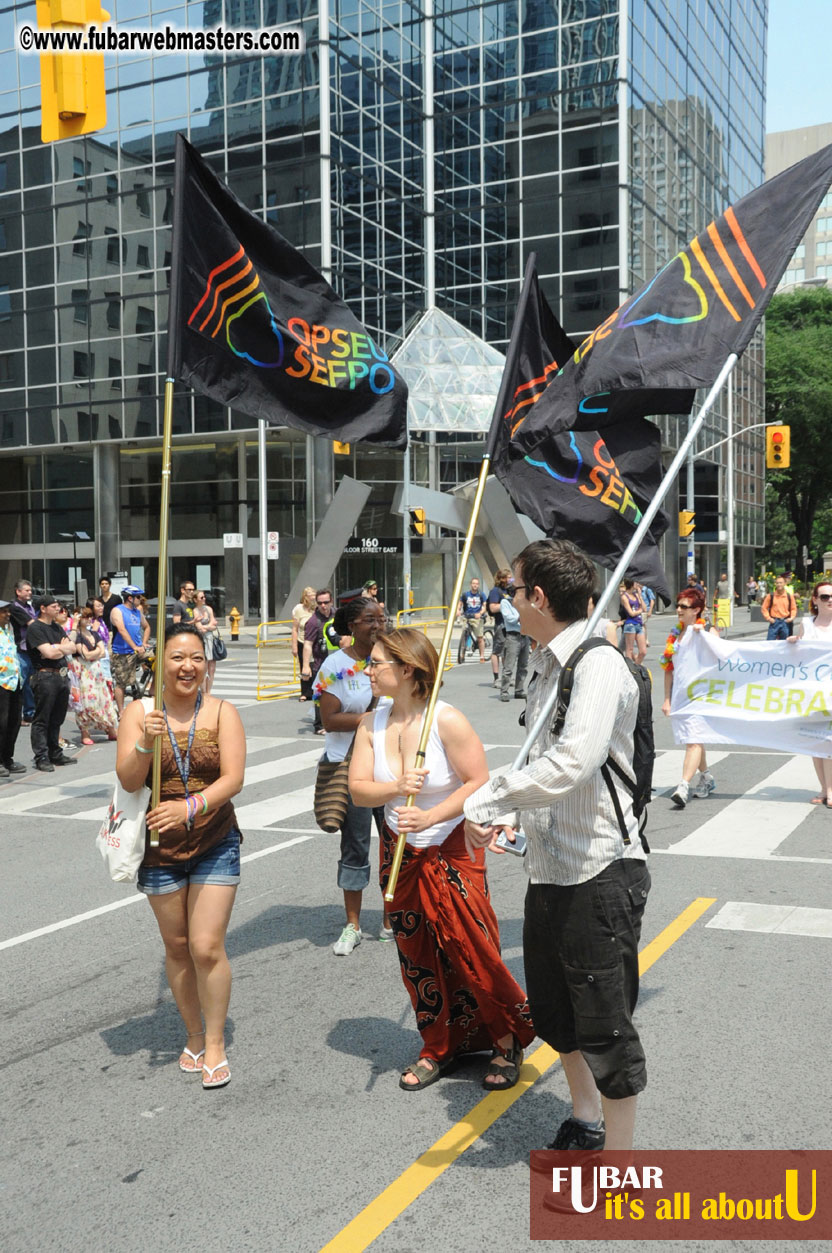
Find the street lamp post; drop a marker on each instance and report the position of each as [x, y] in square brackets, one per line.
[75, 536]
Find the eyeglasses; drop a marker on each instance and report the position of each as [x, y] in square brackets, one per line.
[825, 596]
[519, 587]
[684, 606]
[323, 602]
[372, 664]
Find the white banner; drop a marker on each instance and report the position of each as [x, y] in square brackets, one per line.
[769, 694]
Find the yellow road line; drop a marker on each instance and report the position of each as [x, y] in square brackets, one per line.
[367, 1226]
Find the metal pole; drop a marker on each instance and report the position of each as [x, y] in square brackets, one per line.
[406, 562]
[729, 468]
[631, 549]
[164, 514]
[262, 491]
[690, 505]
[443, 657]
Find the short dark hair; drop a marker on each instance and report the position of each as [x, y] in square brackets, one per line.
[183, 628]
[104, 578]
[564, 574]
[323, 591]
[347, 614]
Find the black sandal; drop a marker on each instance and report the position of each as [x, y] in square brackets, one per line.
[438, 1069]
[507, 1074]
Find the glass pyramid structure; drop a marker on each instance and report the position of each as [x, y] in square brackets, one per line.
[453, 375]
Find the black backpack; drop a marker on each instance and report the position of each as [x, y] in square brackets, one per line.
[644, 753]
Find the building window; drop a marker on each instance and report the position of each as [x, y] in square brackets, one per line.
[795, 276]
[112, 188]
[3, 244]
[145, 321]
[822, 247]
[81, 305]
[82, 234]
[824, 225]
[5, 303]
[7, 374]
[142, 199]
[83, 364]
[113, 310]
[142, 256]
[114, 373]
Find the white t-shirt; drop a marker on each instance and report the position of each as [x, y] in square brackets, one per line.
[439, 784]
[348, 681]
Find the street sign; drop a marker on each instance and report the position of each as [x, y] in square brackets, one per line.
[232, 539]
[273, 545]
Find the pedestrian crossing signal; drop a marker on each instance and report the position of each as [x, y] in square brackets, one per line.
[687, 523]
[778, 447]
[418, 525]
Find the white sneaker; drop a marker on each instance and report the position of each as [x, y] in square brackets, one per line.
[386, 934]
[679, 795]
[349, 938]
[707, 784]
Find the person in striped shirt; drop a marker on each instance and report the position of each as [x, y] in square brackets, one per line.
[588, 876]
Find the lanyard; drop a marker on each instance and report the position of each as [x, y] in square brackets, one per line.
[184, 767]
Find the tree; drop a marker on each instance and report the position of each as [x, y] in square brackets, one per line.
[799, 394]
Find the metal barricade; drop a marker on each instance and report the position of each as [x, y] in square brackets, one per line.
[278, 674]
[431, 626]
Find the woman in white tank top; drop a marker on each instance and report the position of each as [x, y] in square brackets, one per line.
[464, 998]
[818, 627]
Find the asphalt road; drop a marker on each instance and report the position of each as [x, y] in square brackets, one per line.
[108, 1146]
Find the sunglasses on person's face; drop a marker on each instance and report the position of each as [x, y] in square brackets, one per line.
[825, 596]
[685, 606]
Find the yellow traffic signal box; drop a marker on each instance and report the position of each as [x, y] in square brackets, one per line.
[778, 447]
[687, 522]
[418, 526]
[73, 93]
[339, 449]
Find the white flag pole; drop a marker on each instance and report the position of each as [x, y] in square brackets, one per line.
[633, 546]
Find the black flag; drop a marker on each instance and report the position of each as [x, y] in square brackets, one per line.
[676, 333]
[577, 485]
[255, 326]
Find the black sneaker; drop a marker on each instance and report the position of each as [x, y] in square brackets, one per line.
[45, 765]
[574, 1135]
[15, 767]
[63, 760]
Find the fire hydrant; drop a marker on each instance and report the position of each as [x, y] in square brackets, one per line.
[235, 618]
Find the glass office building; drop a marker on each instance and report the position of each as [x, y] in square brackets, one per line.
[416, 153]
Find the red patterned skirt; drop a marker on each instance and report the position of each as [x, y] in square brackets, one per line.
[463, 996]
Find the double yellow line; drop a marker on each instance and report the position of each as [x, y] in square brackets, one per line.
[402, 1192]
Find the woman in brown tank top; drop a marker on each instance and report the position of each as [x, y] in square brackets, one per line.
[191, 878]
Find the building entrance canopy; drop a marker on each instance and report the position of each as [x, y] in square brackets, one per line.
[453, 375]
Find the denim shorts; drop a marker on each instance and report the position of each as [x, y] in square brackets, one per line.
[633, 627]
[221, 864]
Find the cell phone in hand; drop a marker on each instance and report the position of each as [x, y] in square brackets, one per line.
[518, 847]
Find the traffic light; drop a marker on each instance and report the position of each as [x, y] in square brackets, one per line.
[340, 450]
[778, 447]
[687, 523]
[418, 526]
[73, 93]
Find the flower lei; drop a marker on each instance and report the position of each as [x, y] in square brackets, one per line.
[325, 681]
[666, 659]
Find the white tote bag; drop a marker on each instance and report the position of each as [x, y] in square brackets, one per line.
[121, 838]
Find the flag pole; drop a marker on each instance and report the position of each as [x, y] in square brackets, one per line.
[167, 440]
[491, 444]
[633, 546]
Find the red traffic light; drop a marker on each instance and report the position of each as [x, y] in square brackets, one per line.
[777, 437]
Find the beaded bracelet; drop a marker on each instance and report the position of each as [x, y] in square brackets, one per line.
[148, 752]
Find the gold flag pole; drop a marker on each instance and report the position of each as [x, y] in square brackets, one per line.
[164, 515]
[443, 657]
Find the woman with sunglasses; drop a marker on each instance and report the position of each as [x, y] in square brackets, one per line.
[690, 605]
[343, 693]
[446, 932]
[206, 623]
[817, 625]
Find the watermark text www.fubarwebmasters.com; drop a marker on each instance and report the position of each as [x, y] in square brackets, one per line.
[167, 39]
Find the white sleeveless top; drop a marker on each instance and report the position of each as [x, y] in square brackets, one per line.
[438, 785]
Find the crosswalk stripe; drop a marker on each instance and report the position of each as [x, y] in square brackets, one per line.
[773, 919]
[737, 831]
[667, 768]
